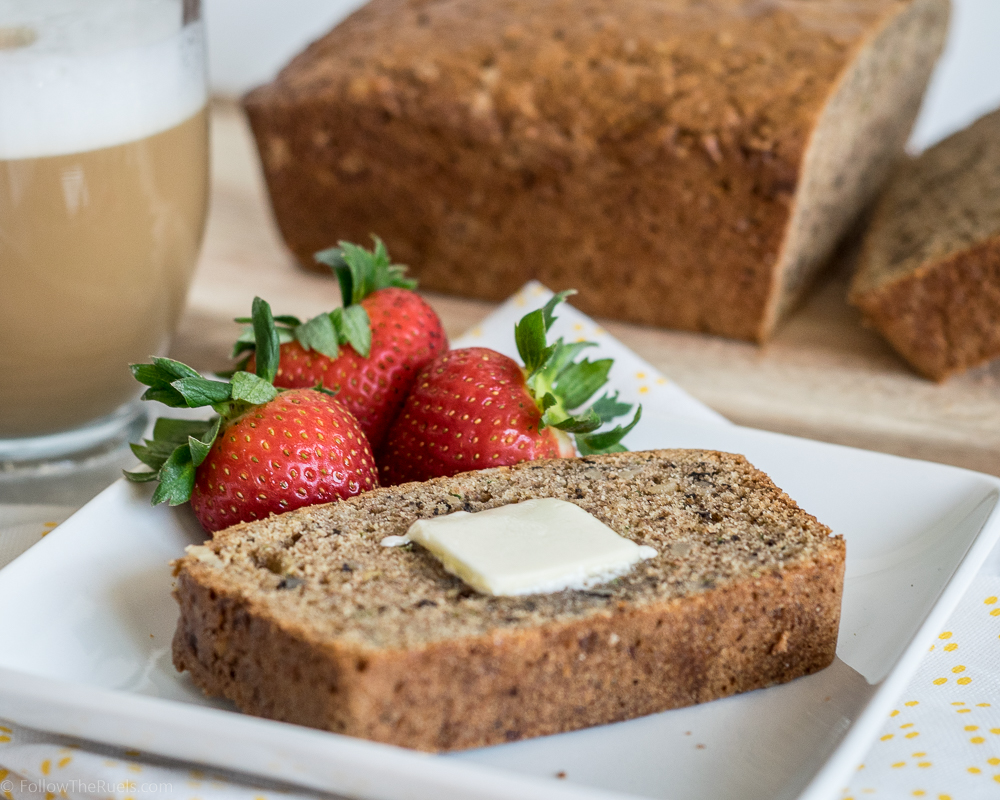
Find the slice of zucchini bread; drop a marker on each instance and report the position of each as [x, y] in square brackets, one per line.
[929, 275]
[307, 617]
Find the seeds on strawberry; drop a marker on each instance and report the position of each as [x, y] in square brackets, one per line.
[300, 449]
[468, 409]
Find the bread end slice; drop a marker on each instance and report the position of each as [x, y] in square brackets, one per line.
[307, 618]
[929, 274]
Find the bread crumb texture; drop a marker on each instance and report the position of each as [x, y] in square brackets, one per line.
[306, 617]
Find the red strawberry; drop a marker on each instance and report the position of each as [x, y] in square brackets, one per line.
[469, 409]
[266, 452]
[299, 449]
[387, 331]
[475, 408]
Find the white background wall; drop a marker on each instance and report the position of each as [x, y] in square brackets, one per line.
[250, 40]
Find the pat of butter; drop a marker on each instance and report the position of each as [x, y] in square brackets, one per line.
[544, 545]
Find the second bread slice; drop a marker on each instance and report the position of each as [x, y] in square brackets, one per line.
[929, 275]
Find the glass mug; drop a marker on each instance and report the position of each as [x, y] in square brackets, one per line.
[103, 196]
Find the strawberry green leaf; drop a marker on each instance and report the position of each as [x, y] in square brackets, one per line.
[549, 307]
[529, 335]
[209, 436]
[200, 446]
[380, 253]
[178, 430]
[176, 478]
[161, 373]
[608, 407]
[606, 441]
[388, 274]
[361, 272]
[548, 401]
[266, 339]
[565, 354]
[142, 476]
[280, 321]
[559, 383]
[247, 342]
[168, 396]
[319, 334]
[333, 257]
[581, 423]
[153, 454]
[158, 376]
[354, 328]
[149, 375]
[200, 391]
[362, 265]
[165, 453]
[250, 388]
[578, 381]
[175, 369]
[199, 450]
[244, 344]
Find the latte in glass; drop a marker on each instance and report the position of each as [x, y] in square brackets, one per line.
[103, 191]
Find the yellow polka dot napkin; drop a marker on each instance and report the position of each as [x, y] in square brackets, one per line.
[942, 740]
[42, 767]
[23, 525]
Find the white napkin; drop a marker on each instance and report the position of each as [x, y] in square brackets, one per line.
[43, 767]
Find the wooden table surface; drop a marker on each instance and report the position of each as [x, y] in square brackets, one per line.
[823, 375]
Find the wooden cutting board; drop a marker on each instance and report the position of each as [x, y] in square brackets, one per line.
[823, 375]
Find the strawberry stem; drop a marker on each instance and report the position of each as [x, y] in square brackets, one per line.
[266, 340]
[560, 384]
[359, 273]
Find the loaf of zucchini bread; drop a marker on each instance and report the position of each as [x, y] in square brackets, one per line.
[683, 164]
[306, 617]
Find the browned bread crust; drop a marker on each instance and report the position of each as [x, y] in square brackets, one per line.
[929, 274]
[306, 618]
[701, 158]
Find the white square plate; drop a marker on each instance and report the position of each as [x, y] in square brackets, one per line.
[88, 618]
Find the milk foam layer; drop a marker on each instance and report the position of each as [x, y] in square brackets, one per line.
[126, 72]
